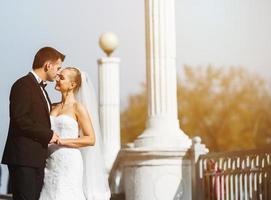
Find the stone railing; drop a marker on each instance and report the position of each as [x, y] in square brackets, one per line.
[240, 175]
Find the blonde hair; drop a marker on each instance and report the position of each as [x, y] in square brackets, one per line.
[75, 76]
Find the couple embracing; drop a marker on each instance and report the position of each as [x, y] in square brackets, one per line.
[53, 151]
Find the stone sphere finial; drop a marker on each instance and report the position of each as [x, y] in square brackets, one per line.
[108, 42]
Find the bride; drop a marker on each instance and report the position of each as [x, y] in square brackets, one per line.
[75, 167]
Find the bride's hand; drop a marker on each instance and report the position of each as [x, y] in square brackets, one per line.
[60, 141]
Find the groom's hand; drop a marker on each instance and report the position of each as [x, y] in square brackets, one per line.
[54, 138]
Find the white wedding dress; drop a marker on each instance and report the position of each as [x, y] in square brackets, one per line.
[76, 173]
[64, 167]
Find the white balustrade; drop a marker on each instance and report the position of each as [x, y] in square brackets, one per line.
[240, 175]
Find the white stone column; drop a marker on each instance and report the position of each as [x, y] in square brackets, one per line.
[157, 166]
[162, 129]
[109, 100]
[109, 108]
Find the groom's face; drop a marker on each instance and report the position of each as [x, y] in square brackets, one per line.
[53, 69]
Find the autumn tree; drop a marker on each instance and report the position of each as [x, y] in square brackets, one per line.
[133, 118]
[229, 109]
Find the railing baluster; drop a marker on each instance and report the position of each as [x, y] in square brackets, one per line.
[231, 187]
[245, 186]
[218, 185]
[255, 186]
[260, 186]
[236, 186]
[243, 175]
[213, 187]
[264, 186]
[223, 186]
[250, 185]
[227, 187]
[241, 186]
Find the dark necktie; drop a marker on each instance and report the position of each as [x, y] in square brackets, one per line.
[42, 84]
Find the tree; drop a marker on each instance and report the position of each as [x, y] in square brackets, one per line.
[133, 118]
[229, 109]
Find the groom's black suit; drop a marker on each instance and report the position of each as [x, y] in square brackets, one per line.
[28, 137]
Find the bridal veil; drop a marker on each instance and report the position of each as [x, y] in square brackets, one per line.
[95, 177]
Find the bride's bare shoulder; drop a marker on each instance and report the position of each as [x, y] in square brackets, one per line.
[79, 108]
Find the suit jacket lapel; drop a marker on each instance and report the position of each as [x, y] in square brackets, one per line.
[39, 91]
[47, 96]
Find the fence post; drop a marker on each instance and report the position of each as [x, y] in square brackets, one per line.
[197, 150]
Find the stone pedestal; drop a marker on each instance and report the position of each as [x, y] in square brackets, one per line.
[109, 108]
[144, 174]
[154, 175]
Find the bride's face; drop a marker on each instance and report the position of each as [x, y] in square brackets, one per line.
[63, 81]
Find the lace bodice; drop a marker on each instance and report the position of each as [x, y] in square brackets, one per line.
[64, 167]
[65, 126]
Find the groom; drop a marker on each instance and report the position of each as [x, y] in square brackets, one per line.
[30, 129]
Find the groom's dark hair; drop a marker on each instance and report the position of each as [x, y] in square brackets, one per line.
[46, 54]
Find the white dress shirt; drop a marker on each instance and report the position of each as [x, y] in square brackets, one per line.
[39, 80]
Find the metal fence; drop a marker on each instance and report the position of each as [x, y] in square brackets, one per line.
[242, 175]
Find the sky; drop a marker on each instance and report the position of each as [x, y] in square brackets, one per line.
[223, 33]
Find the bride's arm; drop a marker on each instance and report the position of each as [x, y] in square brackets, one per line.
[88, 137]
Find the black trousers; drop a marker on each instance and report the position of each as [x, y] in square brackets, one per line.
[26, 182]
